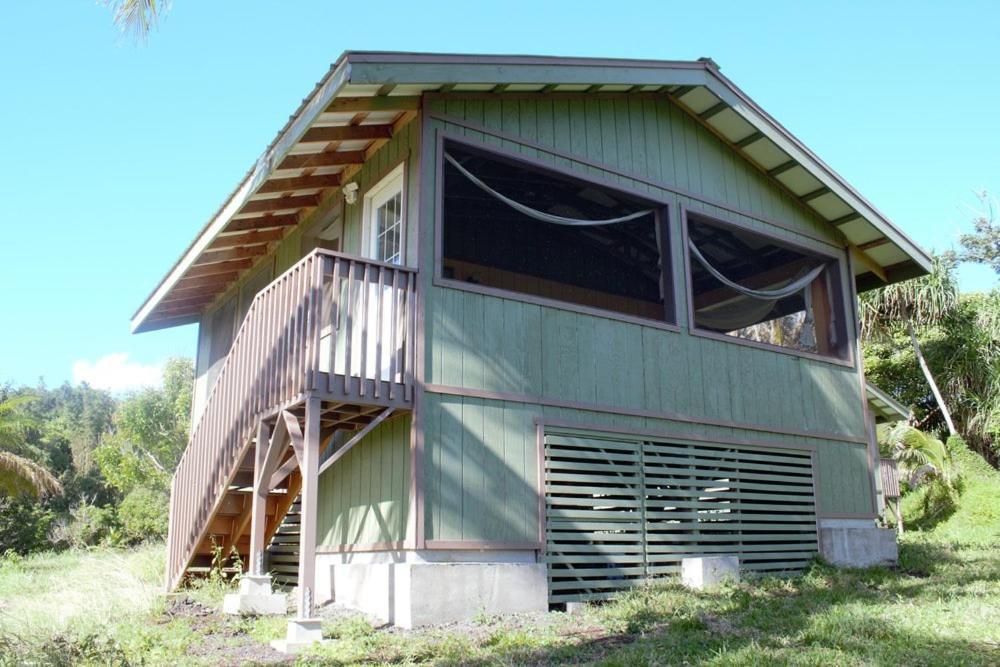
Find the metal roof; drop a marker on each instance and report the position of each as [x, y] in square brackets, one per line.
[883, 406]
[366, 96]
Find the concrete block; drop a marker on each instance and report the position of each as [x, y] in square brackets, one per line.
[301, 632]
[255, 597]
[410, 594]
[858, 544]
[450, 592]
[708, 571]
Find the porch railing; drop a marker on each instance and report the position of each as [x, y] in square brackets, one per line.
[333, 324]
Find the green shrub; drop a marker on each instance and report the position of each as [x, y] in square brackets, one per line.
[142, 515]
[24, 525]
[88, 526]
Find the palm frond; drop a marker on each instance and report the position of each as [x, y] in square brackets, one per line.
[137, 17]
[19, 476]
[924, 300]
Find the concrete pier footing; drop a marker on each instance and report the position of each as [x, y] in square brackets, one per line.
[255, 598]
[704, 572]
[857, 543]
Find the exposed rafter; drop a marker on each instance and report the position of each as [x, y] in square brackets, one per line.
[280, 204]
[264, 222]
[376, 103]
[300, 183]
[328, 159]
[346, 133]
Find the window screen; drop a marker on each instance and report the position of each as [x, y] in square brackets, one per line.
[759, 268]
[486, 241]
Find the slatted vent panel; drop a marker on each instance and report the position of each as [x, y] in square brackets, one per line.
[621, 510]
[755, 503]
[593, 517]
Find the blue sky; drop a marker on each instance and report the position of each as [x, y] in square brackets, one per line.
[114, 155]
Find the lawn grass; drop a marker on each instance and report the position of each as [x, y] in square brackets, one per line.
[940, 607]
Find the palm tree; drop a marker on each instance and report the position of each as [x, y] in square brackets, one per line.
[18, 474]
[923, 301]
[137, 17]
[919, 454]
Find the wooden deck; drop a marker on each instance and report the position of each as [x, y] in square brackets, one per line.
[325, 348]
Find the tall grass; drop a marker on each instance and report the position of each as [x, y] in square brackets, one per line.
[76, 601]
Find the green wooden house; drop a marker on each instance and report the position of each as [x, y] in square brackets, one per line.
[500, 332]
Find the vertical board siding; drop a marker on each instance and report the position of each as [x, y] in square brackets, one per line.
[481, 476]
[569, 356]
[481, 456]
[364, 499]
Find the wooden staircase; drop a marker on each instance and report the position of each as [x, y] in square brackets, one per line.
[327, 347]
[282, 561]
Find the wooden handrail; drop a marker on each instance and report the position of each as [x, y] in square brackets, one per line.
[277, 357]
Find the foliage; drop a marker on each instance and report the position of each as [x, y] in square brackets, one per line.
[920, 302]
[919, 454]
[982, 246]
[87, 525]
[923, 301]
[150, 432]
[142, 515]
[137, 17]
[964, 347]
[20, 474]
[24, 524]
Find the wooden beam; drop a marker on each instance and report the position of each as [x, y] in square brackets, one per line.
[263, 222]
[752, 138]
[385, 89]
[211, 280]
[283, 471]
[300, 183]
[868, 262]
[280, 204]
[219, 269]
[815, 194]
[782, 168]
[168, 313]
[346, 133]
[231, 253]
[844, 219]
[181, 302]
[192, 292]
[340, 453]
[328, 159]
[309, 508]
[246, 238]
[873, 244]
[713, 110]
[376, 103]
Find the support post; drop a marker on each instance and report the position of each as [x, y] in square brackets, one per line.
[258, 517]
[255, 595]
[305, 629]
[309, 504]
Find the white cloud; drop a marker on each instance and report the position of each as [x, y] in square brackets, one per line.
[116, 373]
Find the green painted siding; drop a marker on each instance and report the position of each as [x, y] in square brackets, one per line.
[494, 344]
[365, 497]
[480, 487]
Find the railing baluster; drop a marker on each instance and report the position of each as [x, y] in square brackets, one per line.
[378, 331]
[364, 317]
[393, 327]
[349, 327]
[275, 356]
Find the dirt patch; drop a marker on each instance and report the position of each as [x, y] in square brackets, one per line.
[223, 638]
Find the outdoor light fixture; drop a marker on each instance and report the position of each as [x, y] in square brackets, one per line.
[351, 193]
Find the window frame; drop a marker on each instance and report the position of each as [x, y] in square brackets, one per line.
[384, 189]
[661, 215]
[844, 291]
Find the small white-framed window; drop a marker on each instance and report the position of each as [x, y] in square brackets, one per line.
[385, 219]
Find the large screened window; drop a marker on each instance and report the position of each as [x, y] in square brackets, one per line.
[749, 286]
[512, 226]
